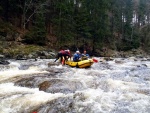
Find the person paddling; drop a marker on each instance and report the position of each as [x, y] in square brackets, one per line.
[64, 55]
[77, 56]
[84, 55]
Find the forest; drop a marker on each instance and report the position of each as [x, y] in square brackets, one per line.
[120, 25]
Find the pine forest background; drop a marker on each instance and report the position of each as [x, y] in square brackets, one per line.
[92, 24]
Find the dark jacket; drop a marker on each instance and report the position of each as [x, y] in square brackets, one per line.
[76, 57]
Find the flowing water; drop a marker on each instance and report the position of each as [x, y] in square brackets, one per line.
[107, 87]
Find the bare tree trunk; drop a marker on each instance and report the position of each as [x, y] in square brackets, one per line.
[25, 8]
[122, 25]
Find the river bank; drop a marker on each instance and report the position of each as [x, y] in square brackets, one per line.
[19, 51]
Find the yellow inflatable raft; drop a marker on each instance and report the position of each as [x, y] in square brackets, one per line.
[80, 64]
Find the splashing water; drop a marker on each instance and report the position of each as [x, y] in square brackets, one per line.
[107, 87]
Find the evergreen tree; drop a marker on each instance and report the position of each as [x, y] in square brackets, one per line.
[63, 20]
[98, 21]
[75, 21]
[81, 21]
[37, 34]
[141, 12]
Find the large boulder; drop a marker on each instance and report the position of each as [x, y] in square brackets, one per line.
[2, 56]
[4, 62]
[21, 57]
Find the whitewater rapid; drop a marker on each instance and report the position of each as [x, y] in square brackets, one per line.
[116, 86]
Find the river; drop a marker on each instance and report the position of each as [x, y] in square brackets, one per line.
[116, 86]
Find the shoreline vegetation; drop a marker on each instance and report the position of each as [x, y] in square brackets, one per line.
[20, 51]
[116, 30]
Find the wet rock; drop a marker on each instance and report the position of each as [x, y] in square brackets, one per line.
[32, 55]
[133, 58]
[144, 59]
[41, 81]
[79, 96]
[26, 82]
[52, 54]
[138, 66]
[5, 67]
[102, 60]
[144, 65]
[139, 56]
[60, 105]
[43, 57]
[4, 62]
[53, 64]
[21, 57]
[43, 86]
[144, 91]
[31, 81]
[45, 54]
[60, 86]
[55, 71]
[136, 75]
[119, 62]
[108, 58]
[40, 53]
[2, 56]
[147, 78]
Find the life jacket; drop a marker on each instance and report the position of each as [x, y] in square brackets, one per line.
[76, 57]
[62, 51]
[65, 53]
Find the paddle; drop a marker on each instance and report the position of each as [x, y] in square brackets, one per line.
[34, 112]
[94, 60]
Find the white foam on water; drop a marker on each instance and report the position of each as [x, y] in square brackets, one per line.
[105, 90]
[17, 98]
[121, 84]
[15, 64]
[98, 99]
[7, 74]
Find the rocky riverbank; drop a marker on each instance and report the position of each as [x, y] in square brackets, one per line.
[19, 51]
[139, 53]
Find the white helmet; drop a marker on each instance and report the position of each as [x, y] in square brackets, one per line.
[77, 52]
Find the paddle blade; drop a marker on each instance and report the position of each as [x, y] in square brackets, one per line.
[95, 60]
